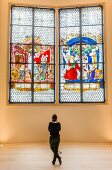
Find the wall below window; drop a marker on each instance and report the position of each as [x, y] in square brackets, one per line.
[80, 122]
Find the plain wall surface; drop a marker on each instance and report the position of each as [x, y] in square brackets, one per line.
[80, 122]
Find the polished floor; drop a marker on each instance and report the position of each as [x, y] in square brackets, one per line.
[39, 157]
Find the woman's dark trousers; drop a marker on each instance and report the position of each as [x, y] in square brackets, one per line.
[54, 144]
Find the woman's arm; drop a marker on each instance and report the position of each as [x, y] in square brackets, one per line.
[49, 127]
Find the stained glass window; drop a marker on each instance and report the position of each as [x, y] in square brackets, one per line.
[81, 60]
[32, 55]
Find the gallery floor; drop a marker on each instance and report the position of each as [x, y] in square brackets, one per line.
[39, 157]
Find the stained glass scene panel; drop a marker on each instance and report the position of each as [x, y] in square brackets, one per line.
[92, 53]
[21, 73]
[70, 64]
[21, 53]
[44, 73]
[70, 55]
[44, 54]
[70, 73]
[81, 54]
[30, 55]
[92, 73]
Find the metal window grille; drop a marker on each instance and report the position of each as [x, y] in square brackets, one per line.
[32, 55]
[81, 55]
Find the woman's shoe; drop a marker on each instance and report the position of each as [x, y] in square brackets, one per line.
[53, 162]
[59, 159]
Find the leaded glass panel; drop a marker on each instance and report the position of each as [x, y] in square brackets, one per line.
[69, 18]
[70, 92]
[21, 54]
[93, 33]
[20, 93]
[81, 55]
[44, 17]
[45, 35]
[21, 16]
[93, 92]
[32, 55]
[91, 16]
[20, 33]
[44, 92]
[66, 34]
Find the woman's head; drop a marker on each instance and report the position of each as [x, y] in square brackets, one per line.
[54, 117]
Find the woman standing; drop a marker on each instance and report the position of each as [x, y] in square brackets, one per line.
[54, 128]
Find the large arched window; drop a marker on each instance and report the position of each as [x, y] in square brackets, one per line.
[81, 55]
[32, 55]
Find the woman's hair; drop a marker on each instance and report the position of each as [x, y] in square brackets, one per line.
[54, 117]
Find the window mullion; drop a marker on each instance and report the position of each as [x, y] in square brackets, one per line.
[81, 78]
[10, 56]
[103, 49]
[32, 85]
[59, 59]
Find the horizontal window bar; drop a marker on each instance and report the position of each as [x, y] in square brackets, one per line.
[31, 26]
[83, 63]
[82, 26]
[31, 44]
[11, 82]
[33, 63]
[79, 44]
[82, 82]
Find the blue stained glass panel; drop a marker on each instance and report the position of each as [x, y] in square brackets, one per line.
[82, 55]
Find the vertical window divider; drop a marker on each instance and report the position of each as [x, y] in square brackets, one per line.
[81, 79]
[10, 55]
[59, 53]
[54, 57]
[103, 49]
[32, 85]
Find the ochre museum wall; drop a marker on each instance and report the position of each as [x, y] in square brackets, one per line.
[80, 122]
